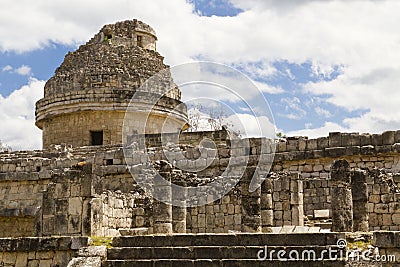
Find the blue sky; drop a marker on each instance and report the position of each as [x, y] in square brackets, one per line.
[322, 65]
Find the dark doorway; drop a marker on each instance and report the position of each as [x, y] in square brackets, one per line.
[96, 138]
[139, 41]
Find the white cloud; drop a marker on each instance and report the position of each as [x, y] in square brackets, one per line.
[323, 112]
[319, 132]
[250, 126]
[257, 70]
[324, 71]
[266, 88]
[7, 68]
[282, 5]
[218, 82]
[23, 70]
[376, 92]
[321, 31]
[293, 109]
[17, 116]
[246, 124]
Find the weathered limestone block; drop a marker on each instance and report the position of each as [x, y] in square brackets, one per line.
[335, 139]
[342, 203]
[162, 208]
[251, 202]
[179, 212]
[85, 262]
[360, 200]
[296, 208]
[388, 138]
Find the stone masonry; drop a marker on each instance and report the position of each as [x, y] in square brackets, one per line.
[90, 92]
[342, 201]
[90, 191]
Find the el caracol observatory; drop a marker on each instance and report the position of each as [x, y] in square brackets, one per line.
[86, 100]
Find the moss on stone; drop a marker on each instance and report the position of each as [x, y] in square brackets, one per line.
[101, 241]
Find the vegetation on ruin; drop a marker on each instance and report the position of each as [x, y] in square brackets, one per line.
[101, 241]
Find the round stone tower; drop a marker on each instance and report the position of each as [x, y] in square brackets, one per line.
[85, 101]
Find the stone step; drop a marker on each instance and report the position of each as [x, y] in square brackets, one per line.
[134, 231]
[269, 239]
[222, 252]
[324, 225]
[219, 263]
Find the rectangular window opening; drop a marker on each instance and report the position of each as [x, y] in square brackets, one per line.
[139, 41]
[96, 138]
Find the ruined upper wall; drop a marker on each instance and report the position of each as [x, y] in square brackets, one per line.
[337, 145]
[127, 32]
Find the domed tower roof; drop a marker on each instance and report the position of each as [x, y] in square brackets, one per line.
[99, 79]
[121, 55]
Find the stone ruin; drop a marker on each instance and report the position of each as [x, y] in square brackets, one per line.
[86, 100]
[57, 205]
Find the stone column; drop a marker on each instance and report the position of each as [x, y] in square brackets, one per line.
[296, 199]
[179, 211]
[342, 203]
[162, 211]
[267, 212]
[251, 203]
[359, 192]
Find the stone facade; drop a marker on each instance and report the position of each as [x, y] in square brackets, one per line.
[90, 191]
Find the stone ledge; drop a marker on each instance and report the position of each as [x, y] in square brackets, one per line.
[42, 243]
[240, 239]
[117, 99]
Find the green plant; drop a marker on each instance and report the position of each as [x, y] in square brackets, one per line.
[280, 135]
[101, 241]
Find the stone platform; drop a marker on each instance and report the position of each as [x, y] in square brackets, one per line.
[223, 250]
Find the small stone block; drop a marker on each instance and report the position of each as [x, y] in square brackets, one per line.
[321, 214]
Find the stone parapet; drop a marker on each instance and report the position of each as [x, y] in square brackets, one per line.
[337, 145]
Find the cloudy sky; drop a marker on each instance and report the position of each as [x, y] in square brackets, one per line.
[323, 65]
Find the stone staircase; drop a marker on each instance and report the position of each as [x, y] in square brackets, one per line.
[229, 250]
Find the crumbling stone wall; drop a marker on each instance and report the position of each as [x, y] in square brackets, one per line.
[19, 204]
[313, 158]
[66, 203]
[383, 200]
[117, 201]
[220, 216]
[23, 178]
[317, 195]
[90, 191]
[287, 199]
